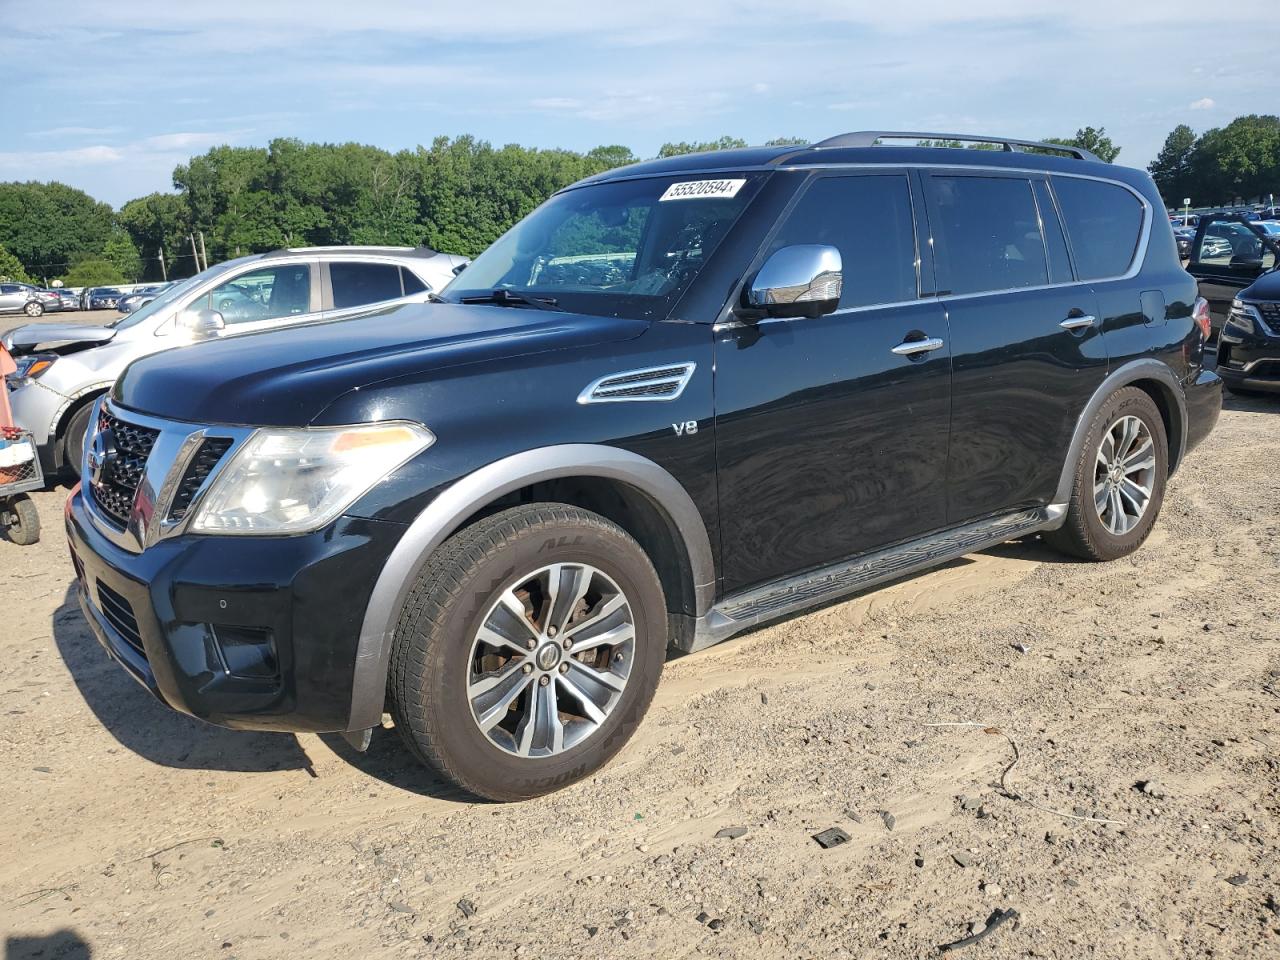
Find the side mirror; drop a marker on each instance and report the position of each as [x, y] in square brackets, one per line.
[803, 280]
[202, 324]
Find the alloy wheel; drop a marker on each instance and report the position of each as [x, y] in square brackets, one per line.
[1124, 474]
[550, 660]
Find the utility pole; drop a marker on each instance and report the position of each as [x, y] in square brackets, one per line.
[203, 253]
[194, 252]
[164, 273]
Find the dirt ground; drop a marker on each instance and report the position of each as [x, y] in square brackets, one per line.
[131, 831]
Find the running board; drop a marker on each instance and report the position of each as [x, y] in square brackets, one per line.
[782, 598]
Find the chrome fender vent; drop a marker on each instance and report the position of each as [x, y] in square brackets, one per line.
[651, 383]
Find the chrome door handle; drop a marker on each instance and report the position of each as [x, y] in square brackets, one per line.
[911, 347]
[1075, 323]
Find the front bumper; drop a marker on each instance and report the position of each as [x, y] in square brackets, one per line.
[36, 409]
[255, 633]
[1249, 359]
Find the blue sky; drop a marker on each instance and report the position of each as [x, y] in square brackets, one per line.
[110, 96]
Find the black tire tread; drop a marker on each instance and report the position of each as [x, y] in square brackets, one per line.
[443, 579]
[25, 530]
[1074, 537]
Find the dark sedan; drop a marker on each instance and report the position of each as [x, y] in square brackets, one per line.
[140, 297]
[104, 298]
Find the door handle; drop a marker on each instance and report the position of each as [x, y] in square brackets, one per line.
[1075, 323]
[910, 348]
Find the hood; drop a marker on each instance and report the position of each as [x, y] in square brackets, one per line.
[1266, 287]
[287, 377]
[57, 335]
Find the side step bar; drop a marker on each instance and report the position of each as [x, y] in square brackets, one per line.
[781, 598]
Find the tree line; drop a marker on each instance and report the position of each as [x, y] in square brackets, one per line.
[1235, 164]
[457, 195]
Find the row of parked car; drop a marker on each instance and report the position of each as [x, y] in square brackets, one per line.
[37, 301]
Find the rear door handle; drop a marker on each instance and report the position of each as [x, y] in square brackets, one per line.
[910, 348]
[1075, 323]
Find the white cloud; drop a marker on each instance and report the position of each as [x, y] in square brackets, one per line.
[1204, 103]
[34, 162]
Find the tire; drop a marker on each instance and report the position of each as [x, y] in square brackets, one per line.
[73, 438]
[34, 309]
[24, 527]
[437, 651]
[1100, 533]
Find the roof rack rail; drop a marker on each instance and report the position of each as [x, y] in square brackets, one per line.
[869, 138]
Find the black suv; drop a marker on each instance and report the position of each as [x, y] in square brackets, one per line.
[1235, 260]
[676, 401]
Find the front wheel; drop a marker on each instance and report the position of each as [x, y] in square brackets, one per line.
[34, 309]
[528, 651]
[1119, 480]
[73, 439]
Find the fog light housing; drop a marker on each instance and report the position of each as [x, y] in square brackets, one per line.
[247, 652]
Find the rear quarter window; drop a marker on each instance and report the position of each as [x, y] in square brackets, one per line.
[1104, 222]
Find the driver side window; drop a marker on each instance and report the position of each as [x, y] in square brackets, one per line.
[271, 293]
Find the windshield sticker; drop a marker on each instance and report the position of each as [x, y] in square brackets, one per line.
[698, 189]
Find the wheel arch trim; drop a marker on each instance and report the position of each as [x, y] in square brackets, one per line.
[446, 513]
[1146, 368]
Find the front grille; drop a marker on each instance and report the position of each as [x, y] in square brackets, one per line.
[1270, 314]
[119, 613]
[202, 464]
[122, 471]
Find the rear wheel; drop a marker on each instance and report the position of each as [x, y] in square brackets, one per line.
[34, 309]
[1119, 480]
[528, 651]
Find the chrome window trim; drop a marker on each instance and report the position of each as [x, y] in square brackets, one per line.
[681, 380]
[1135, 265]
[176, 443]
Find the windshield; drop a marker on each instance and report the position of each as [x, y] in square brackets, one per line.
[167, 297]
[625, 248]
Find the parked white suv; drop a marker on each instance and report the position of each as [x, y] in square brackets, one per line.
[64, 367]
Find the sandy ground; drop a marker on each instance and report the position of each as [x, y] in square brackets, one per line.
[131, 831]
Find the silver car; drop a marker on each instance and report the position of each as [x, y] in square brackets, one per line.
[64, 367]
[24, 298]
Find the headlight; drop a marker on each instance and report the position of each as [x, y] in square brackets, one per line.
[294, 480]
[32, 366]
[1241, 317]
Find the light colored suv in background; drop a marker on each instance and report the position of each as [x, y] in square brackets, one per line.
[64, 367]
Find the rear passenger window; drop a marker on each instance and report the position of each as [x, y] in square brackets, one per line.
[1054, 241]
[868, 219]
[411, 282]
[990, 233]
[355, 284]
[1104, 222]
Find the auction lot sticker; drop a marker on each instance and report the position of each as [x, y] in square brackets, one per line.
[697, 189]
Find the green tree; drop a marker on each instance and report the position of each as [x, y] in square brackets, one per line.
[684, 146]
[47, 225]
[11, 268]
[1240, 161]
[160, 222]
[1095, 140]
[1171, 169]
[94, 272]
[120, 252]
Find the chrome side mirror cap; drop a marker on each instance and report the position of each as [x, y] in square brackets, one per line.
[803, 280]
[202, 324]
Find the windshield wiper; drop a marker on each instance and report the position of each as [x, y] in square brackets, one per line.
[514, 298]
